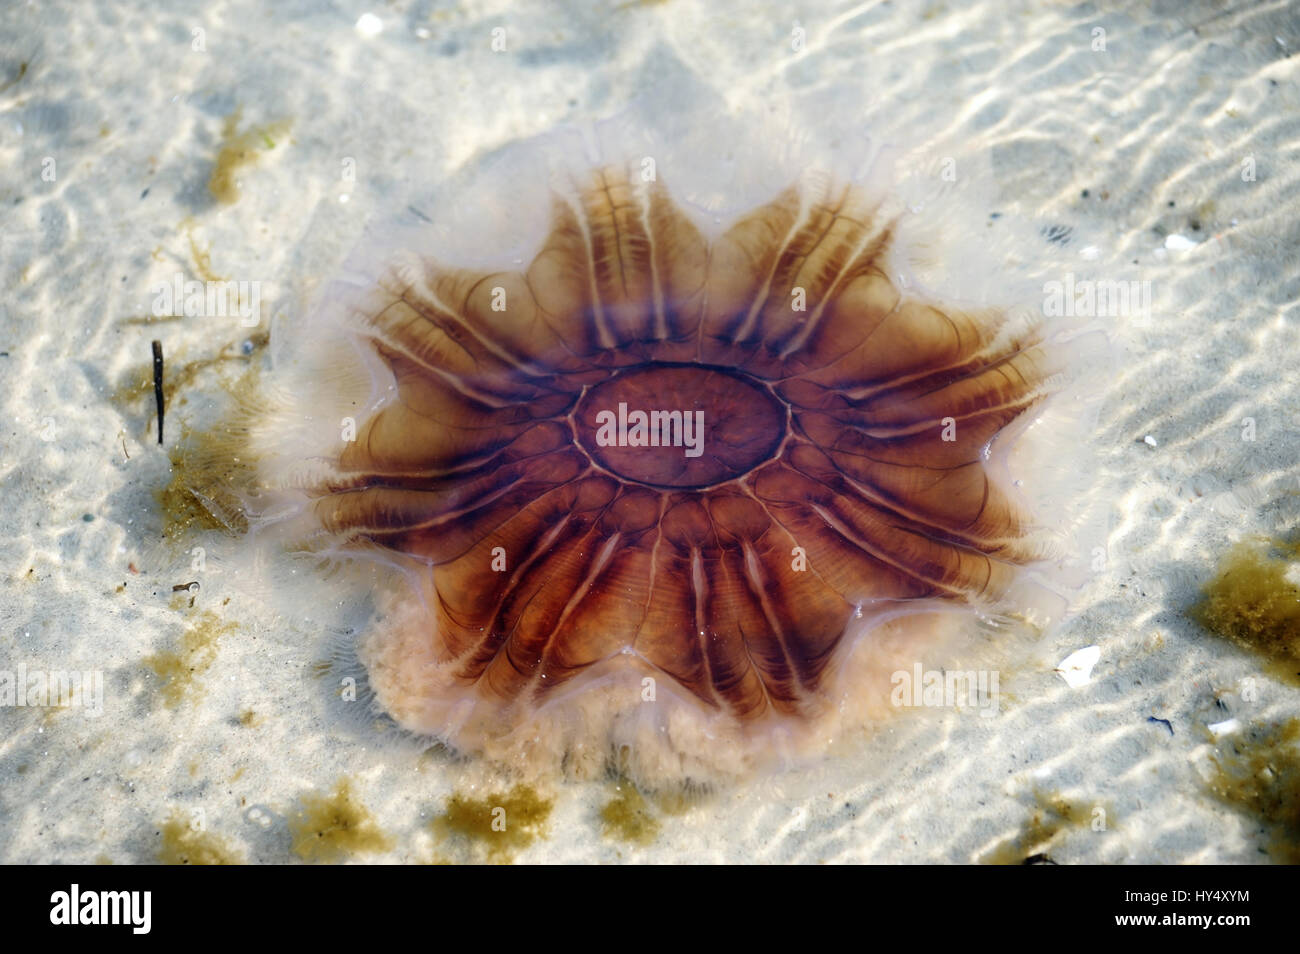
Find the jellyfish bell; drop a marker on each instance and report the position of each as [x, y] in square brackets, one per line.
[822, 490]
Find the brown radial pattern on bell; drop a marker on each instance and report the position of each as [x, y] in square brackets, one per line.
[732, 556]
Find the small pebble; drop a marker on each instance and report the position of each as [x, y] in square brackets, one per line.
[1224, 728]
[369, 25]
[1076, 668]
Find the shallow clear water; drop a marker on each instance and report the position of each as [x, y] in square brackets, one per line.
[1162, 149]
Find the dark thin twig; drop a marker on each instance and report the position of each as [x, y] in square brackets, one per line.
[157, 385]
[1164, 722]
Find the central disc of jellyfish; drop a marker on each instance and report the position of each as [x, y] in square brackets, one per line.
[679, 426]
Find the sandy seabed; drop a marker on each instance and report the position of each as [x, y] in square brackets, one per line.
[1169, 155]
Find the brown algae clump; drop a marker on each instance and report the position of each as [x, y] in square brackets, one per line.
[332, 827]
[182, 509]
[239, 150]
[202, 461]
[182, 844]
[1255, 603]
[628, 817]
[197, 652]
[497, 825]
[1055, 814]
[1259, 774]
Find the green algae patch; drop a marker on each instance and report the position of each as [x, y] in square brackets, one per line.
[493, 828]
[1258, 774]
[628, 817]
[202, 258]
[1252, 603]
[207, 466]
[335, 827]
[206, 471]
[182, 844]
[185, 511]
[210, 469]
[240, 149]
[180, 669]
[1052, 816]
[682, 800]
